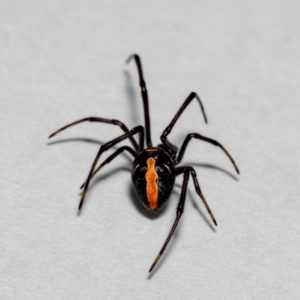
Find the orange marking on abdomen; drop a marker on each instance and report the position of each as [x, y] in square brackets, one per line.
[151, 187]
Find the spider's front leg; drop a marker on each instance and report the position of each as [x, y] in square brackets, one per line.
[105, 147]
[144, 93]
[172, 148]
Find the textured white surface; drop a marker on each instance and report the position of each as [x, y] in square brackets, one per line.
[64, 60]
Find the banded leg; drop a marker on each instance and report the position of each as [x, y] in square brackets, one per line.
[197, 188]
[169, 128]
[179, 213]
[105, 147]
[206, 139]
[110, 158]
[144, 93]
[102, 120]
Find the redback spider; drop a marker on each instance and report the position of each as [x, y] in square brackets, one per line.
[154, 168]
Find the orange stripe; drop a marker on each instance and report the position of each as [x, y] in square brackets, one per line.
[151, 187]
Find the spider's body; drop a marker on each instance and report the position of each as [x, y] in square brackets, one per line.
[154, 168]
[153, 177]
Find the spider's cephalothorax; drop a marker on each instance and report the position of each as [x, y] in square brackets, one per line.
[154, 168]
[153, 177]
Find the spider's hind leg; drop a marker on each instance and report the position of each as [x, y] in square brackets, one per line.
[186, 170]
[110, 158]
[192, 171]
[206, 139]
[179, 213]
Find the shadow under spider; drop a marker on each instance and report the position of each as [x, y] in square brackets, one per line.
[214, 167]
[85, 140]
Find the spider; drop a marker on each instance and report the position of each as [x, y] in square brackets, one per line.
[154, 169]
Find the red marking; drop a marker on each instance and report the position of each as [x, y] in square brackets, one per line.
[151, 187]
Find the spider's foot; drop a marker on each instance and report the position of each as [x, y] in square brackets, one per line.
[155, 262]
[82, 199]
[213, 218]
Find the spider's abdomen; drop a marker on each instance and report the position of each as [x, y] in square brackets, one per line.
[153, 177]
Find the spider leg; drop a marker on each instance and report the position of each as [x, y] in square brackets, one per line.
[197, 188]
[105, 147]
[179, 212]
[111, 157]
[102, 120]
[144, 93]
[206, 139]
[169, 128]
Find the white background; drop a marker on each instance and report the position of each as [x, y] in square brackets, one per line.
[64, 60]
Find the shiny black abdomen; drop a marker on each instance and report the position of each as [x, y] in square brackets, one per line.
[164, 168]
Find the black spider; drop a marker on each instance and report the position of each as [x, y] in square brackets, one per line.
[154, 168]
